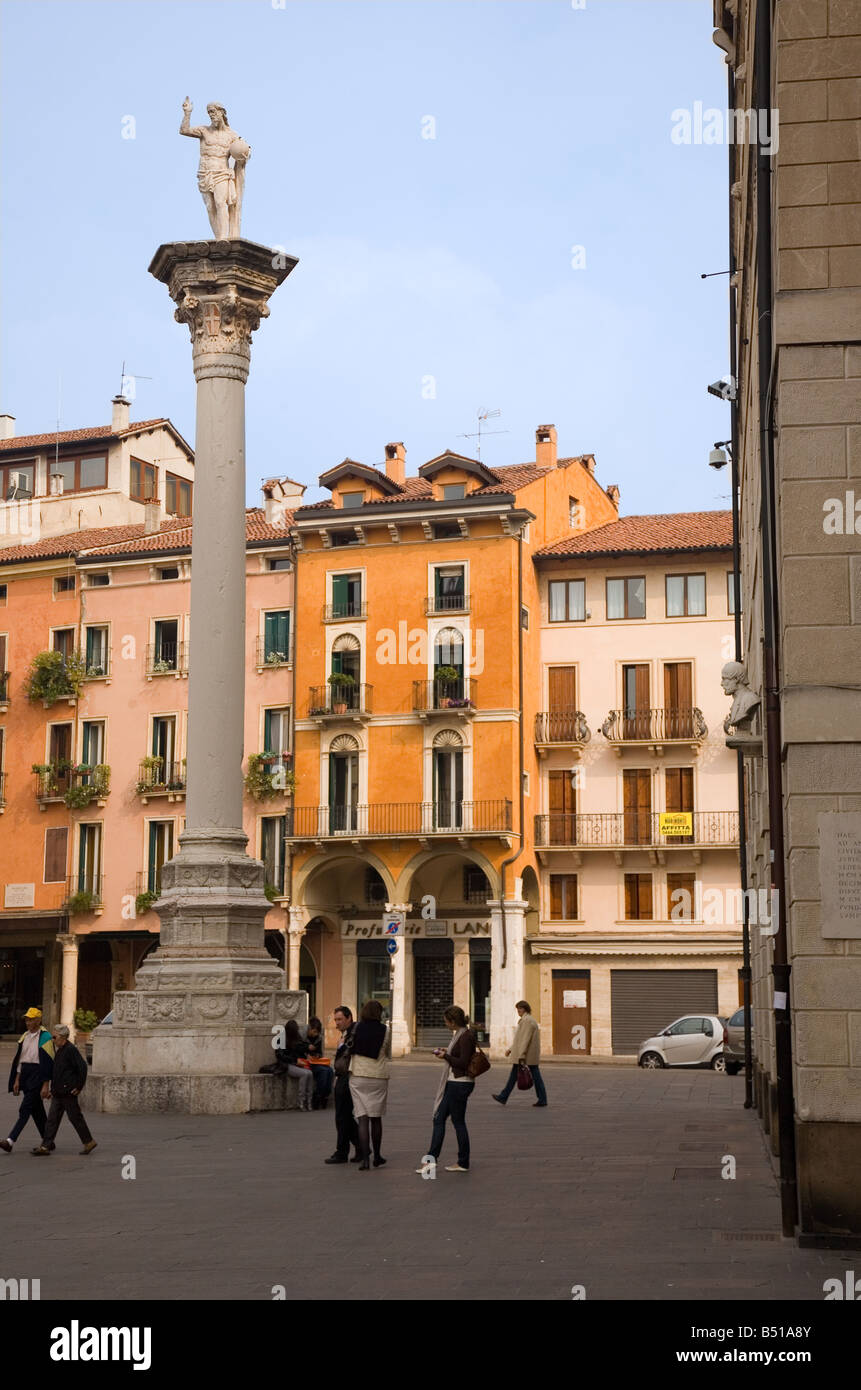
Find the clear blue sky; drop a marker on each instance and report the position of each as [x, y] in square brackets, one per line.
[448, 258]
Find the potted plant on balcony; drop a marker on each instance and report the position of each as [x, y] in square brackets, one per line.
[54, 677]
[153, 765]
[143, 902]
[342, 683]
[444, 676]
[272, 893]
[82, 901]
[268, 776]
[47, 774]
[276, 658]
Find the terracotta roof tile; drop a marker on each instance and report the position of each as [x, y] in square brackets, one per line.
[94, 432]
[511, 477]
[105, 541]
[643, 535]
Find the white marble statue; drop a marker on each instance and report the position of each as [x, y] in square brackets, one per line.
[745, 702]
[221, 183]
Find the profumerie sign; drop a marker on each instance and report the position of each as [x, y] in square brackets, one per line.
[363, 931]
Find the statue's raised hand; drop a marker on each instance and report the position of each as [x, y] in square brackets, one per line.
[187, 107]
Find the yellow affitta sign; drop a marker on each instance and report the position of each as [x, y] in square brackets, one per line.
[676, 822]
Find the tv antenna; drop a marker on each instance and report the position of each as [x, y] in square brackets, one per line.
[132, 377]
[479, 433]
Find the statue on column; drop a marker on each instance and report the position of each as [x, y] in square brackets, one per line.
[745, 701]
[220, 182]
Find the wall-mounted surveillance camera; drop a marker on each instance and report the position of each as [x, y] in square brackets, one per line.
[723, 389]
[718, 459]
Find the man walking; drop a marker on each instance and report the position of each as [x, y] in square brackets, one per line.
[526, 1049]
[30, 1077]
[345, 1121]
[70, 1077]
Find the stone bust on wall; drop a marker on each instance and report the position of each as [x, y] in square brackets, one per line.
[745, 701]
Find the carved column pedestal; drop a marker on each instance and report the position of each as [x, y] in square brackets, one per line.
[193, 1033]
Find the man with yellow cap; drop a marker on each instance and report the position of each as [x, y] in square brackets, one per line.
[30, 1076]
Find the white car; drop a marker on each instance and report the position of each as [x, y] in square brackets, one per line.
[697, 1040]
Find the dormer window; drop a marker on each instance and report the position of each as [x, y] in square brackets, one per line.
[352, 499]
[452, 492]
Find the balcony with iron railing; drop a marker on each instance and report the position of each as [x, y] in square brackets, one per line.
[434, 697]
[394, 820]
[561, 728]
[352, 702]
[99, 668]
[270, 657]
[83, 893]
[167, 659]
[159, 778]
[347, 611]
[634, 829]
[446, 603]
[4, 691]
[653, 728]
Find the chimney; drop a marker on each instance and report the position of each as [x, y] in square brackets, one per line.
[545, 446]
[588, 462]
[152, 516]
[280, 495]
[119, 414]
[396, 463]
[55, 484]
[613, 494]
[7, 426]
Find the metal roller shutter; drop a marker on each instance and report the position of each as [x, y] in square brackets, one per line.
[642, 1002]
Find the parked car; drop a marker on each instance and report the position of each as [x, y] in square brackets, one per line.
[734, 1045]
[105, 1023]
[697, 1040]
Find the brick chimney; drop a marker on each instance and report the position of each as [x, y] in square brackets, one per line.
[152, 516]
[396, 463]
[119, 414]
[613, 493]
[545, 446]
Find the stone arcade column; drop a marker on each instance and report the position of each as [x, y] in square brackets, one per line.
[506, 985]
[401, 1045]
[192, 1034]
[69, 979]
[298, 922]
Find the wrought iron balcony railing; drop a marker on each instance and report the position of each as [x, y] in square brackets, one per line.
[562, 726]
[270, 656]
[334, 700]
[83, 893]
[345, 611]
[167, 659]
[158, 778]
[633, 829]
[149, 880]
[395, 819]
[655, 726]
[447, 603]
[431, 696]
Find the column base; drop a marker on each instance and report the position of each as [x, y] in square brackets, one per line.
[179, 1094]
[401, 1045]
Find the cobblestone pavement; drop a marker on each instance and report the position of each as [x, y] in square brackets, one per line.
[616, 1186]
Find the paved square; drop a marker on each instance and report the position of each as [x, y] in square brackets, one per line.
[616, 1186]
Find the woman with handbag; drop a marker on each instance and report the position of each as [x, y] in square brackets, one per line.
[526, 1050]
[369, 1080]
[456, 1085]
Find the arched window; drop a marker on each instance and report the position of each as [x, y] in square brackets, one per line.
[343, 783]
[347, 656]
[448, 682]
[448, 779]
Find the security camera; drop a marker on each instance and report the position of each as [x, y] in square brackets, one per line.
[723, 389]
[718, 459]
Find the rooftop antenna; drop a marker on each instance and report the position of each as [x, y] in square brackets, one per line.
[132, 377]
[479, 433]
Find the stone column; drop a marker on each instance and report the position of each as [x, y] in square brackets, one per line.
[69, 980]
[401, 1045]
[193, 1033]
[349, 975]
[506, 984]
[295, 933]
[460, 984]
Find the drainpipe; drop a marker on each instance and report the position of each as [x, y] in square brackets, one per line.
[513, 857]
[781, 967]
[291, 795]
[736, 587]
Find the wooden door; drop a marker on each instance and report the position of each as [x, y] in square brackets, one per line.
[637, 794]
[636, 722]
[563, 822]
[679, 782]
[572, 1015]
[562, 703]
[678, 699]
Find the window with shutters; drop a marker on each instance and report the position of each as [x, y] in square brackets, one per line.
[679, 795]
[562, 821]
[638, 897]
[96, 650]
[276, 637]
[678, 699]
[681, 890]
[637, 803]
[159, 850]
[636, 711]
[346, 596]
[273, 842]
[563, 897]
[56, 852]
[686, 595]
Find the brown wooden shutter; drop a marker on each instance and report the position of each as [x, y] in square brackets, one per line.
[562, 688]
[2, 654]
[637, 794]
[674, 883]
[631, 904]
[562, 808]
[680, 794]
[56, 845]
[556, 898]
[678, 699]
[645, 897]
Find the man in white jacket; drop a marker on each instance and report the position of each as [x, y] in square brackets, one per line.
[526, 1050]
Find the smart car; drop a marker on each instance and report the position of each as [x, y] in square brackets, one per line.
[697, 1040]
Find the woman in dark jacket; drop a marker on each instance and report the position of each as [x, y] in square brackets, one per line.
[455, 1088]
[369, 1080]
[321, 1072]
[288, 1058]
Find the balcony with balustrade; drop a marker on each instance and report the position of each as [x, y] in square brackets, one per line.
[157, 778]
[445, 697]
[350, 703]
[425, 821]
[561, 729]
[655, 729]
[622, 832]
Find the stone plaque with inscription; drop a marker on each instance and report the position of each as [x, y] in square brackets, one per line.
[840, 873]
[20, 895]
